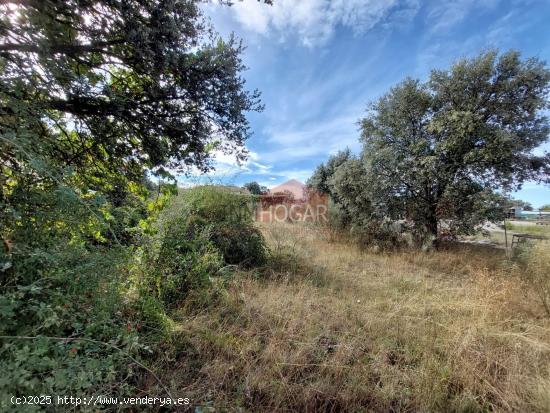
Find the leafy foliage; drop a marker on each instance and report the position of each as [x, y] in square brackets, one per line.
[122, 85]
[240, 245]
[62, 328]
[186, 262]
[255, 188]
[434, 153]
[319, 180]
[226, 216]
[200, 230]
[93, 95]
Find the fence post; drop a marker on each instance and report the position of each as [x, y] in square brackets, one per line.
[506, 236]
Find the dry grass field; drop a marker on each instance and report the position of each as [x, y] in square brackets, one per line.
[328, 327]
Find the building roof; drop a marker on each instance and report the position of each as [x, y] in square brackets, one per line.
[293, 186]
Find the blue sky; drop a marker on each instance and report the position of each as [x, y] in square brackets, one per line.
[318, 63]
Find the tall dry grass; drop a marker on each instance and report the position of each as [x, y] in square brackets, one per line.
[537, 271]
[329, 327]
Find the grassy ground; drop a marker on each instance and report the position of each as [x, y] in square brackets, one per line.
[528, 228]
[496, 236]
[329, 327]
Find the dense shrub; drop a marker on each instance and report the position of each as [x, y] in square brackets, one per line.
[227, 218]
[64, 330]
[67, 323]
[201, 229]
[125, 219]
[240, 245]
[381, 234]
[186, 261]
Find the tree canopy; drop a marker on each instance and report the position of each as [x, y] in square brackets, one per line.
[126, 83]
[255, 188]
[95, 95]
[439, 150]
[519, 203]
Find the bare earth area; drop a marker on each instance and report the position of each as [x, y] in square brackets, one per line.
[329, 327]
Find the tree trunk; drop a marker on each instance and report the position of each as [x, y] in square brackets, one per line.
[431, 226]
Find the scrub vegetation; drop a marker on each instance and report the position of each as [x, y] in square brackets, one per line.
[115, 282]
[330, 326]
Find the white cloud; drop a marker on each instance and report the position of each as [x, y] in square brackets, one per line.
[278, 178]
[439, 50]
[301, 175]
[226, 170]
[226, 164]
[314, 21]
[313, 139]
[448, 13]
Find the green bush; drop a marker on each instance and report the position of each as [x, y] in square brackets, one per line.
[201, 229]
[64, 331]
[226, 217]
[124, 221]
[186, 261]
[216, 205]
[68, 325]
[240, 245]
